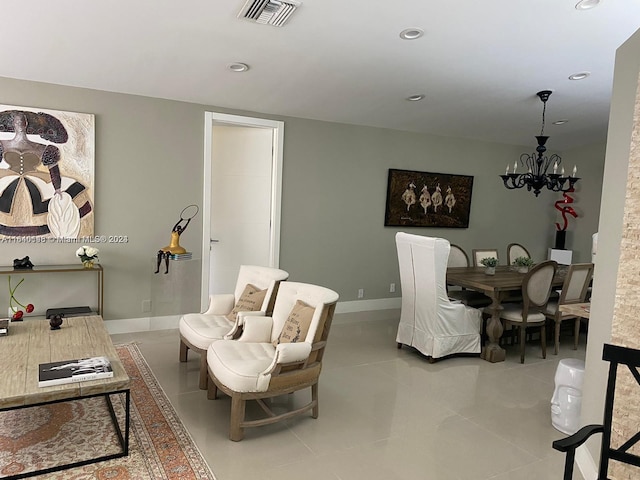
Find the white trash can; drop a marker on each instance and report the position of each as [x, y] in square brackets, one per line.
[567, 396]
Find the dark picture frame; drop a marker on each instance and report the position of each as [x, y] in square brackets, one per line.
[448, 204]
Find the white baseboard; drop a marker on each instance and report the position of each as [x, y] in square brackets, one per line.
[369, 305]
[142, 324]
[586, 464]
[145, 324]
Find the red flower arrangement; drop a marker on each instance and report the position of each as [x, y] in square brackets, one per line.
[17, 314]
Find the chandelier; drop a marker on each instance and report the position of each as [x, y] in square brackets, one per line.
[536, 178]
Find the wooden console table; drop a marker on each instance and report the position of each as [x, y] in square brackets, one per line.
[74, 268]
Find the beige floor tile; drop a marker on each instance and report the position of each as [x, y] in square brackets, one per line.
[385, 413]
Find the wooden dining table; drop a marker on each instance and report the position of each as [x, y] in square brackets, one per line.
[498, 287]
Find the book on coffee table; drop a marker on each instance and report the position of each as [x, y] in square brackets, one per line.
[71, 371]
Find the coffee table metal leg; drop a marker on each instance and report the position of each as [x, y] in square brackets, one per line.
[124, 439]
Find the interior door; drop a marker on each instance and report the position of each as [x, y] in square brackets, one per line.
[243, 164]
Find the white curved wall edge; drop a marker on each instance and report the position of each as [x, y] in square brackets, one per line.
[585, 463]
[144, 324]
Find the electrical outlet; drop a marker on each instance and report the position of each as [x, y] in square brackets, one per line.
[392, 288]
[146, 306]
[361, 293]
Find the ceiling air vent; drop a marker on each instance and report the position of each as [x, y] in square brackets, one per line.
[269, 12]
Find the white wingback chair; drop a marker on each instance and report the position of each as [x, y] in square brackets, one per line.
[257, 365]
[429, 321]
[198, 330]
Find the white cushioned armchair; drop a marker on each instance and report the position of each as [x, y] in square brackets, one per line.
[198, 330]
[273, 356]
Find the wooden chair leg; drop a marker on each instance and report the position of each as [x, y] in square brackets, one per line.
[183, 351]
[557, 337]
[543, 339]
[522, 342]
[576, 333]
[314, 398]
[204, 371]
[236, 432]
[212, 390]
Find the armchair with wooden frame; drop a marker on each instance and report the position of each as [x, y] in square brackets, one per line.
[274, 355]
[226, 312]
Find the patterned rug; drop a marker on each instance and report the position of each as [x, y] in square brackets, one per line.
[159, 446]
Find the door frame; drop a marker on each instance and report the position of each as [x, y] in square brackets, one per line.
[215, 118]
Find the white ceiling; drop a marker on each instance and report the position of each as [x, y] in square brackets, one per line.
[479, 63]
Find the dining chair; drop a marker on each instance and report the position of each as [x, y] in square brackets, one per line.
[459, 258]
[574, 290]
[515, 250]
[254, 294]
[429, 321]
[274, 356]
[536, 287]
[480, 253]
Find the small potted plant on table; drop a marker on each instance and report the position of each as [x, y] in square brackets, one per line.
[523, 264]
[490, 264]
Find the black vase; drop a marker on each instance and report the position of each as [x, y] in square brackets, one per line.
[55, 321]
[561, 237]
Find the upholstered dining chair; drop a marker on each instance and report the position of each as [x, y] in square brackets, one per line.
[254, 294]
[429, 321]
[574, 290]
[459, 258]
[479, 253]
[536, 288]
[275, 355]
[515, 250]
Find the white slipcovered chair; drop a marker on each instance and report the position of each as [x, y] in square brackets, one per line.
[429, 321]
[198, 330]
[261, 363]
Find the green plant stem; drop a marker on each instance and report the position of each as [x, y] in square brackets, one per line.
[12, 292]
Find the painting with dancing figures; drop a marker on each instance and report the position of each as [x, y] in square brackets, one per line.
[425, 199]
[46, 173]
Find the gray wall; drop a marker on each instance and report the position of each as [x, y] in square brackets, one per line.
[149, 156]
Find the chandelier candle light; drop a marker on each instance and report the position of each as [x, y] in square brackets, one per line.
[536, 178]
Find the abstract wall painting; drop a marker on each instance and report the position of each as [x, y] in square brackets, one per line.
[426, 199]
[47, 173]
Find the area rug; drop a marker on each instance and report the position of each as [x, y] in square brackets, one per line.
[160, 448]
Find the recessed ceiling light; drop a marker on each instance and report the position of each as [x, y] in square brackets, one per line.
[415, 98]
[238, 67]
[579, 76]
[587, 4]
[560, 122]
[411, 33]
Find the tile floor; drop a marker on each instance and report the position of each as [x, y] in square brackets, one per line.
[384, 413]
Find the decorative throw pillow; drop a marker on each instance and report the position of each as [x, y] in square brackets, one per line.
[250, 301]
[297, 324]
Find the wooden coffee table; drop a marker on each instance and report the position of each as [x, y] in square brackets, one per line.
[31, 343]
